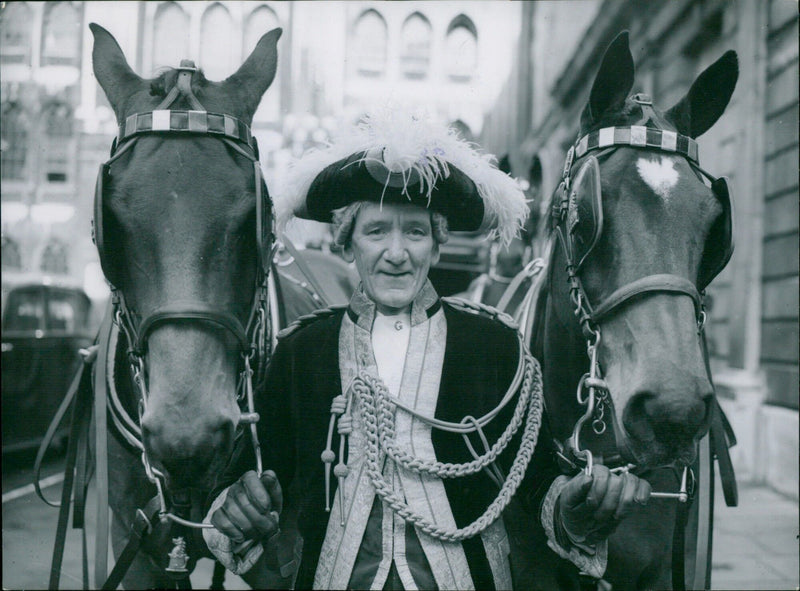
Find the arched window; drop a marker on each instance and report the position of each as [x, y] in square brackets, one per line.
[12, 259]
[416, 48]
[13, 142]
[216, 43]
[61, 38]
[171, 36]
[370, 44]
[54, 257]
[16, 28]
[461, 49]
[262, 20]
[58, 142]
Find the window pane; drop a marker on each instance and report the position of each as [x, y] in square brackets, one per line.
[16, 23]
[54, 258]
[171, 36]
[62, 30]
[25, 310]
[260, 21]
[12, 259]
[66, 310]
[416, 46]
[371, 44]
[217, 43]
[13, 142]
[462, 53]
[58, 143]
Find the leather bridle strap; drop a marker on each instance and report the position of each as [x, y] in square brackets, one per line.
[651, 283]
[181, 310]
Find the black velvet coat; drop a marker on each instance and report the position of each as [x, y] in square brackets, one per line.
[479, 363]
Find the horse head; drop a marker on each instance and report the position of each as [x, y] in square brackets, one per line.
[183, 238]
[641, 235]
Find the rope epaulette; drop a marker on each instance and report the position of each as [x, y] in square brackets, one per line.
[480, 309]
[308, 319]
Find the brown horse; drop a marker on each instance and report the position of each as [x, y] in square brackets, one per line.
[183, 226]
[637, 236]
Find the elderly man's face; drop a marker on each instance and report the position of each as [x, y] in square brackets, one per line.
[393, 247]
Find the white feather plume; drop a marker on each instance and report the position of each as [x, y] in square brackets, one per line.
[412, 141]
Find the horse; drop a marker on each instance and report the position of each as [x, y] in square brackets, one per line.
[184, 227]
[615, 313]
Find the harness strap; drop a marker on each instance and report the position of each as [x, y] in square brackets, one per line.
[306, 271]
[81, 412]
[679, 546]
[140, 526]
[78, 382]
[192, 310]
[101, 450]
[650, 283]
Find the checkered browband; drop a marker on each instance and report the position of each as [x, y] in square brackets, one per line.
[199, 122]
[641, 137]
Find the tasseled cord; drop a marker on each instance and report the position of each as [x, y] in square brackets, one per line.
[340, 407]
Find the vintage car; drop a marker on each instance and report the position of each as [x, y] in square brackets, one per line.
[45, 322]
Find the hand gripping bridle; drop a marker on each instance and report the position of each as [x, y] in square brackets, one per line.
[572, 210]
[252, 338]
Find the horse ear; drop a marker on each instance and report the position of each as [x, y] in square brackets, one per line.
[255, 75]
[111, 69]
[613, 82]
[708, 97]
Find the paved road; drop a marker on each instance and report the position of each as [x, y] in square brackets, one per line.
[755, 544]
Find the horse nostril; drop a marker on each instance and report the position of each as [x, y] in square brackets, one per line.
[637, 417]
[187, 450]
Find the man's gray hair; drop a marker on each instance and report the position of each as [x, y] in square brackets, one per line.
[344, 219]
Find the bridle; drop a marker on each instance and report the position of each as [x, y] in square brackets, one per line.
[251, 337]
[570, 211]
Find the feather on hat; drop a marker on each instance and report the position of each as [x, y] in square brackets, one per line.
[396, 156]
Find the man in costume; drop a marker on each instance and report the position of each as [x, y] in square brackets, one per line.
[404, 433]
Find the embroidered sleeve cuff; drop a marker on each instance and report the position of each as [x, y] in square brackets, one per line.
[237, 558]
[592, 560]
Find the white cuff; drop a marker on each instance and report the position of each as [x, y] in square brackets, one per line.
[592, 560]
[237, 558]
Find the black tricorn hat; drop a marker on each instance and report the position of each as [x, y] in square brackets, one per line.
[398, 157]
[361, 178]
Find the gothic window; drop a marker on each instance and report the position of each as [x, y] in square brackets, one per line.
[461, 49]
[216, 43]
[61, 36]
[58, 143]
[416, 46]
[13, 142]
[370, 44]
[12, 259]
[260, 21]
[16, 26]
[171, 36]
[54, 258]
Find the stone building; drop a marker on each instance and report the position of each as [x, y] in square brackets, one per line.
[753, 327]
[335, 59]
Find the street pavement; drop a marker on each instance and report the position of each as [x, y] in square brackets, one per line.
[755, 544]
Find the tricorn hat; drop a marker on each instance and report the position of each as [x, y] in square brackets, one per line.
[396, 156]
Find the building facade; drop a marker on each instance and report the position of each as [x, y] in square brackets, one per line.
[753, 326]
[335, 60]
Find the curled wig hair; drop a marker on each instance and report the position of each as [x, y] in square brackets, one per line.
[344, 219]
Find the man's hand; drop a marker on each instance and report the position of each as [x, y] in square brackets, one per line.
[252, 508]
[592, 506]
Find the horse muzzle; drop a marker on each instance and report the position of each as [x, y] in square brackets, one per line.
[189, 452]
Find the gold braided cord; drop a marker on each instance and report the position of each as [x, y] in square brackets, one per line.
[379, 429]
